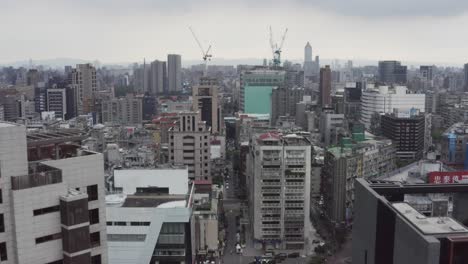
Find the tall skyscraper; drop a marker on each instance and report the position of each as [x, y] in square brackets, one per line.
[325, 87]
[392, 72]
[52, 208]
[158, 77]
[85, 84]
[308, 53]
[174, 73]
[205, 100]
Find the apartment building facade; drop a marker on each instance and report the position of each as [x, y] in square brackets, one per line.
[278, 171]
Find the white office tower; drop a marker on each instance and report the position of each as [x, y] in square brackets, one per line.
[384, 99]
[174, 73]
[53, 206]
[279, 197]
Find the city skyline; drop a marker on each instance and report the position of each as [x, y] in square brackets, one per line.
[153, 29]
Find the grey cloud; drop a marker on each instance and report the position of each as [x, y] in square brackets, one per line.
[390, 8]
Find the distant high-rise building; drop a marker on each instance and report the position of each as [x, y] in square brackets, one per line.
[2, 112]
[32, 77]
[85, 84]
[205, 100]
[325, 87]
[407, 130]
[189, 144]
[308, 53]
[158, 77]
[125, 111]
[311, 67]
[465, 72]
[174, 73]
[283, 102]
[392, 72]
[384, 99]
[256, 87]
[426, 72]
[57, 102]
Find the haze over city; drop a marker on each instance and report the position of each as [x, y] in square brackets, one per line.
[122, 31]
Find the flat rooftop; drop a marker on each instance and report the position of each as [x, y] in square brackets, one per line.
[176, 179]
[429, 225]
[54, 137]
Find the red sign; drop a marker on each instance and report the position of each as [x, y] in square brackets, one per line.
[439, 177]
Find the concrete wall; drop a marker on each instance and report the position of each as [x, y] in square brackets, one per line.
[365, 223]
[411, 247]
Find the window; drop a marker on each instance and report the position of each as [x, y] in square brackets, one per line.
[1, 196]
[139, 223]
[92, 191]
[109, 223]
[47, 238]
[95, 239]
[96, 259]
[126, 237]
[120, 223]
[3, 252]
[46, 210]
[94, 216]
[2, 224]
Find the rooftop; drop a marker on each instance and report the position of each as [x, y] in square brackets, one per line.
[176, 179]
[429, 225]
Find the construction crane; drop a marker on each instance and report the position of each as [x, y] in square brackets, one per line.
[276, 50]
[206, 54]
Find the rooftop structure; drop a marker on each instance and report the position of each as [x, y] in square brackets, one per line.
[388, 230]
[176, 179]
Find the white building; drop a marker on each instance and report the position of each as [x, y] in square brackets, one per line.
[278, 171]
[149, 222]
[331, 125]
[52, 208]
[84, 82]
[384, 99]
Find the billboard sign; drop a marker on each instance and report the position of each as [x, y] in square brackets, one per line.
[441, 177]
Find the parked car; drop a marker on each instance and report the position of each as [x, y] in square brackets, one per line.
[294, 255]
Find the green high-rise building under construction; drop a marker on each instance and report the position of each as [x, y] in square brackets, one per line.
[256, 88]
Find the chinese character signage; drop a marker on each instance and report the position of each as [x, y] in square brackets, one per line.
[444, 177]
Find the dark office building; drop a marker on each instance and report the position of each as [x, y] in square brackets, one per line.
[426, 72]
[325, 87]
[392, 72]
[387, 230]
[352, 102]
[407, 134]
[149, 107]
[70, 94]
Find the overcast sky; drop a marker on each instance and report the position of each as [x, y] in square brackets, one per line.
[128, 30]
